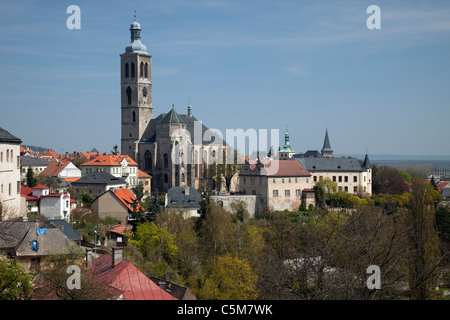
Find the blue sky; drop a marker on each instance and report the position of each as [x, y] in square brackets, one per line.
[308, 65]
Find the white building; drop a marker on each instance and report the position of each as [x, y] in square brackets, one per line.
[9, 174]
[120, 166]
[38, 165]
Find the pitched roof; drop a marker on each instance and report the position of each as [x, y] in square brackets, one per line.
[326, 143]
[99, 177]
[109, 160]
[54, 168]
[177, 198]
[127, 278]
[171, 118]
[126, 197]
[277, 168]
[51, 153]
[332, 164]
[142, 174]
[27, 161]
[5, 136]
[120, 229]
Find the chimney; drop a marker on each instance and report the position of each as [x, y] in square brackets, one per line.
[186, 190]
[117, 254]
[88, 257]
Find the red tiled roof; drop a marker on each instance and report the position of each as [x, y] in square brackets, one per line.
[127, 197]
[142, 174]
[283, 168]
[41, 186]
[51, 153]
[109, 160]
[120, 229]
[54, 168]
[128, 279]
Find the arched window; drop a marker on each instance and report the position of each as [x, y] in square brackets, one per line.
[133, 70]
[144, 91]
[127, 70]
[146, 70]
[134, 116]
[141, 70]
[166, 161]
[148, 160]
[166, 178]
[183, 178]
[129, 91]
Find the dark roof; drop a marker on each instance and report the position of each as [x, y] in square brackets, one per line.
[5, 136]
[64, 226]
[331, 164]
[99, 177]
[177, 198]
[171, 118]
[149, 135]
[366, 164]
[16, 237]
[179, 292]
[33, 161]
[326, 143]
[308, 154]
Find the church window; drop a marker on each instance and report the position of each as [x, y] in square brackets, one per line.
[134, 117]
[182, 177]
[148, 160]
[166, 178]
[127, 70]
[166, 161]
[146, 70]
[144, 92]
[141, 70]
[133, 71]
[129, 91]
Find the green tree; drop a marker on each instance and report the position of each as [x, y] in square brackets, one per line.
[31, 179]
[424, 253]
[230, 279]
[15, 282]
[86, 198]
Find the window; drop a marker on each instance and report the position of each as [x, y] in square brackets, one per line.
[133, 71]
[315, 179]
[252, 181]
[166, 178]
[166, 161]
[127, 70]
[18, 162]
[18, 187]
[355, 189]
[282, 180]
[144, 92]
[148, 160]
[134, 118]
[274, 180]
[275, 193]
[346, 179]
[334, 178]
[254, 192]
[141, 70]
[128, 92]
[346, 189]
[287, 193]
[244, 180]
[7, 155]
[340, 178]
[355, 179]
[298, 192]
[146, 70]
[289, 180]
[9, 192]
[296, 180]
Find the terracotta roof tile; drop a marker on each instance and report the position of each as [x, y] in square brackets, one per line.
[109, 160]
[127, 197]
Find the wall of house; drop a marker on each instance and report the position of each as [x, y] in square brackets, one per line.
[255, 203]
[109, 206]
[10, 179]
[285, 193]
[54, 207]
[352, 182]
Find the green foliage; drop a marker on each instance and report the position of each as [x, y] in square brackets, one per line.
[155, 242]
[443, 223]
[230, 279]
[86, 198]
[15, 282]
[31, 179]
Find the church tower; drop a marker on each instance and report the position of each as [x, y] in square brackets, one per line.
[135, 91]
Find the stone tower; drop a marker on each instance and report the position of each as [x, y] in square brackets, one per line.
[136, 92]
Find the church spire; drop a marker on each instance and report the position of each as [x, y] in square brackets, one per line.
[327, 152]
[135, 44]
